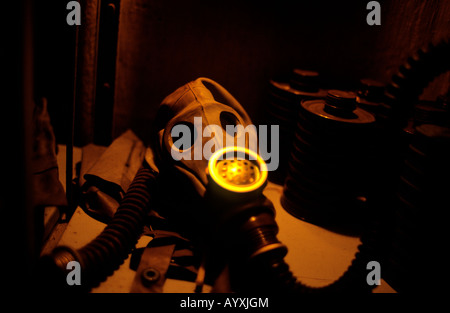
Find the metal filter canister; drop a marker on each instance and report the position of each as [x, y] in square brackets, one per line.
[283, 103]
[329, 165]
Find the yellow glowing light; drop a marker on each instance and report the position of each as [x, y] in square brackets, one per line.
[214, 172]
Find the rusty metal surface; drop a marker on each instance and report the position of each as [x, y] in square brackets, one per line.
[86, 72]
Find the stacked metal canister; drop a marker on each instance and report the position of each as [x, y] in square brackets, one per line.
[329, 163]
[282, 106]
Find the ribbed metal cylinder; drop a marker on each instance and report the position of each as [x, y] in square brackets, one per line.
[330, 160]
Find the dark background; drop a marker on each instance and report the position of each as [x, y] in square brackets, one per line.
[162, 45]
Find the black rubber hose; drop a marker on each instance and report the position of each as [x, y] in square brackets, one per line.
[354, 280]
[270, 273]
[104, 254]
[413, 77]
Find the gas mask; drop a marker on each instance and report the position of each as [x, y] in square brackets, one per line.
[189, 113]
[192, 123]
[210, 176]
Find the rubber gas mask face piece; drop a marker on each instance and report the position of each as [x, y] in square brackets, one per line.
[194, 122]
[212, 185]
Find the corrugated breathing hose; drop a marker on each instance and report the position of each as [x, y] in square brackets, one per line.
[269, 272]
[414, 76]
[104, 254]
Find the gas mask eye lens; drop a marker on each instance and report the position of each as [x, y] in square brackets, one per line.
[229, 119]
